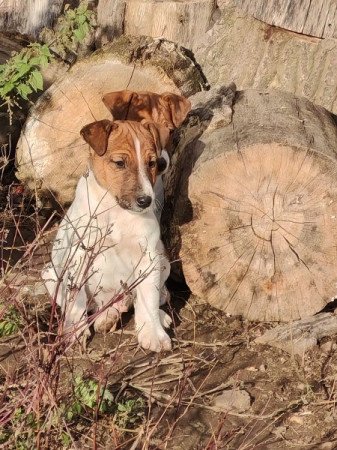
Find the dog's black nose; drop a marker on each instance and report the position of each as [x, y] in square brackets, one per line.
[144, 201]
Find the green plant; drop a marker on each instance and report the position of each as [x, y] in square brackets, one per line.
[129, 412]
[21, 75]
[10, 322]
[21, 430]
[88, 394]
[70, 30]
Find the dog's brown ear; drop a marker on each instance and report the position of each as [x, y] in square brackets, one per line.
[161, 134]
[97, 135]
[179, 107]
[118, 103]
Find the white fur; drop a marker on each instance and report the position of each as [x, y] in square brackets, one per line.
[159, 187]
[143, 179]
[99, 249]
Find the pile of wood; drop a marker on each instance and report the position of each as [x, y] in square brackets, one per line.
[251, 197]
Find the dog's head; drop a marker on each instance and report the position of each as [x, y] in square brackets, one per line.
[167, 109]
[126, 158]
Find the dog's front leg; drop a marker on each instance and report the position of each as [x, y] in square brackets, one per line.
[151, 334]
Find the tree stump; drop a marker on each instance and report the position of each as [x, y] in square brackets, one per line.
[10, 44]
[51, 155]
[255, 222]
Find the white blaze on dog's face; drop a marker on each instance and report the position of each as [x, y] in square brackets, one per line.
[126, 159]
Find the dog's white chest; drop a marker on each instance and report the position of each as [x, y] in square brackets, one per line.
[120, 260]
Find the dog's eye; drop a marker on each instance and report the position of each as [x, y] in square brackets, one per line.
[119, 163]
[152, 163]
[162, 164]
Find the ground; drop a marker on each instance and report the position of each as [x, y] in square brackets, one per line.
[113, 395]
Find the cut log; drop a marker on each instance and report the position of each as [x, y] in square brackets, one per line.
[263, 58]
[301, 335]
[51, 155]
[110, 19]
[28, 17]
[318, 18]
[266, 57]
[181, 21]
[10, 44]
[255, 221]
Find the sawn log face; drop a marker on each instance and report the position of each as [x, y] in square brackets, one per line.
[257, 213]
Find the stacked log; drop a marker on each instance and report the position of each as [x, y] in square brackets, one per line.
[231, 44]
[188, 20]
[255, 221]
[251, 197]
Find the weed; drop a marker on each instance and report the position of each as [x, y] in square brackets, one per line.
[21, 75]
[129, 412]
[70, 30]
[10, 322]
[89, 394]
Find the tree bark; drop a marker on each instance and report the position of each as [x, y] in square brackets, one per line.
[255, 221]
[110, 19]
[28, 17]
[51, 155]
[301, 335]
[256, 55]
[318, 18]
[183, 22]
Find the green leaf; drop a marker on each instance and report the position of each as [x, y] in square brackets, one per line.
[121, 407]
[44, 60]
[107, 396]
[81, 19]
[65, 439]
[44, 50]
[24, 90]
[71, 14]
[22, 70]
[8, 87]
[82, 8]
[79, 34]
[36, 80]
[86, 28]
[35, 61]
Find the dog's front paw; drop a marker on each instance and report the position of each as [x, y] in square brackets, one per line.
[154, 339]
[165, 319]
[107, 320]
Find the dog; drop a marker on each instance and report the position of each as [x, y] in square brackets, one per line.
[108, 253]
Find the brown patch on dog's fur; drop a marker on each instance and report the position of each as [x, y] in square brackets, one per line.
[168, 110]
[97, 134]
